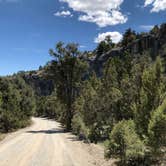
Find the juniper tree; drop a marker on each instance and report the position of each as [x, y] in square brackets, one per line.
[67, 70]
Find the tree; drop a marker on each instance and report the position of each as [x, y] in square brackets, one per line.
[9, 115]
[40, 102]
[150, 95]
[104, 46]
[87, 108]
[67, 71]
[28, 102]
[155, 30]
[157, 130]
[125, 143]
[117, 77]
[128, 37]
[17, 103]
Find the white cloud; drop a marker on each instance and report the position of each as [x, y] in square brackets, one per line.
[157, 5]
[63, 14]
[101, 12]
[82, 46]
[148, 2]
[146, 27]
[115, 36]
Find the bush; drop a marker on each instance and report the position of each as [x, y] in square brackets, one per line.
[79, 128]
[51, 107]
[125, 144]
[157, 129]
[17, 103]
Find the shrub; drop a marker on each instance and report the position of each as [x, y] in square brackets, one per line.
[79, 127]
[17, 103]
[157, 129]
[125, 144]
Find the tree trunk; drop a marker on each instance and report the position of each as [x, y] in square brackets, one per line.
[68, 119]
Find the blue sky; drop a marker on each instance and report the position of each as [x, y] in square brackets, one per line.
[29, 28]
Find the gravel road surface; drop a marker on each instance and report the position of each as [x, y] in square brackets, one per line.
[46, 144]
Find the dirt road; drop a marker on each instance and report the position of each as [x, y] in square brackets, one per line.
[45, 144]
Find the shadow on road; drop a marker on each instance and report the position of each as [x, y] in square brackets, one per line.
[52, 131]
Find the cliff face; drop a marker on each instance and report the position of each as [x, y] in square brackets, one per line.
[97, 64]
[153, 43]
[42, 86]
[147, 42]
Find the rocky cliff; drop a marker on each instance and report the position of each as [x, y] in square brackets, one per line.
[41, 85]
[155, 44]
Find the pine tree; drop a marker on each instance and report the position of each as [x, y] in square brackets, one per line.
[67, 71]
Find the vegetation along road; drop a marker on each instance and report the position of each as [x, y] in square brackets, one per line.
[46, 144]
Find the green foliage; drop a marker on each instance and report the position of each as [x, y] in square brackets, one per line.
[28, 102]
[130, 88]
[128, 37]
[123, 105]
[157, 130]
[17, 103]
[67, 71]
[79, 128]
[86, 108]
[149, 96]
[117, 77]
[155, 30]
[104, 46]
[126, 105]
[125, 143]
[50, 106]
[40, 103]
